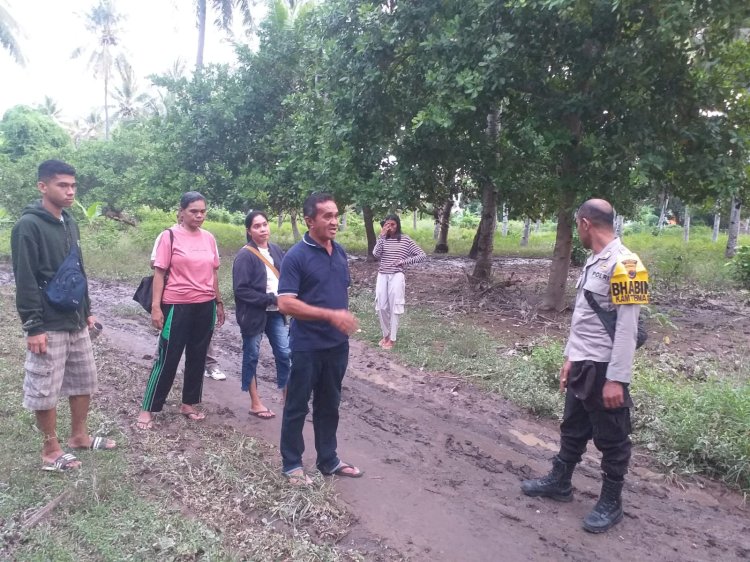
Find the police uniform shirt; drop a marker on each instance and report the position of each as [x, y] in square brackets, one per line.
[604, 273]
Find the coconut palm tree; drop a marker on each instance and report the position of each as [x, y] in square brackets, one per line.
[287, 12]
[103, 22]
[163, 102]
[224, 15]
[131, 101]
[90, 127]
[8, 34]
[50, 107]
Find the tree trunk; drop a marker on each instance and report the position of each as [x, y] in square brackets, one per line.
[414, 220]
[436, 228]
[734, 227]
[717, 223]
[474, 250]
[444, 224]
[281, 219]
[554, 298]
[201, 33]
[486, 232]
[538, 226]
[663, 213]
[619, 225]
[686, 226]
[526, 231]
[106, 104]
[367, 216]
[488, 222]
[342, 226]
[505, 219]
[295, 228]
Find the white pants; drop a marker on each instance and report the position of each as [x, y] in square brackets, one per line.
[389, 302]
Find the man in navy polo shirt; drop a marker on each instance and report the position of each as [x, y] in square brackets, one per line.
[313, 290]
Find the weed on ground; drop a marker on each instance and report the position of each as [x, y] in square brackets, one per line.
[449, 342]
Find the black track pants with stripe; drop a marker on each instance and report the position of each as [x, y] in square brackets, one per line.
[188, 328]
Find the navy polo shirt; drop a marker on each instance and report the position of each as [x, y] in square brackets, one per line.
[318, 279]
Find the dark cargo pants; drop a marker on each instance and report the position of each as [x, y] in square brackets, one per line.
[585, 417]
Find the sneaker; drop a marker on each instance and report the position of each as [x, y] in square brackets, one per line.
[215, 374]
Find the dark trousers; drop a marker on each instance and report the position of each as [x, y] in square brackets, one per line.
[188, 328]
[316, 373]
[586, 417]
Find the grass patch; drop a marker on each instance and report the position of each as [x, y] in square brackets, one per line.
[446, 342]
[673, 264]
[696, 425]
[205, 492]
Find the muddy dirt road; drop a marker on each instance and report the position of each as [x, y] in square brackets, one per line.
[444, 461]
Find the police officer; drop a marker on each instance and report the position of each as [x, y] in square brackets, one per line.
[598, 366]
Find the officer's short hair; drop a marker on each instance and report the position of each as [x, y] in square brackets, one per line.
[595, 214]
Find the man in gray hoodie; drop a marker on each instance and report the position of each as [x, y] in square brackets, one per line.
[59, 357]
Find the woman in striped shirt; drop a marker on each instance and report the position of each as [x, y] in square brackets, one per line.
[395, 251]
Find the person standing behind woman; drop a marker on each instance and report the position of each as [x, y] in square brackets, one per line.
[395, 251]
[185, 310]
[255, 277]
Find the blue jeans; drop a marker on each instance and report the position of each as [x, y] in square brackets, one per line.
[278, 336]
[318, 373]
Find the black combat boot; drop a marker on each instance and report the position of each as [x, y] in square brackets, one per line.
[608, 510]
[555, 485]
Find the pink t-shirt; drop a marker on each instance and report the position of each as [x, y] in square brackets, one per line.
[191, 262]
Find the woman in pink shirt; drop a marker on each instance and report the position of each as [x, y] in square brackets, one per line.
[186, 307]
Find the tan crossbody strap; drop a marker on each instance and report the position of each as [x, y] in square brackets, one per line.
[263, 259]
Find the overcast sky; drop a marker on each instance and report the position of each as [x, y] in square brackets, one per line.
[155, 33]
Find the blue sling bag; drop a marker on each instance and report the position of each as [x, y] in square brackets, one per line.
[67, 289]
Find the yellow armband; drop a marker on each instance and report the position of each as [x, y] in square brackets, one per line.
[629, 281]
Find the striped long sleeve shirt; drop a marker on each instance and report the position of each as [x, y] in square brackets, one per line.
[395, 254]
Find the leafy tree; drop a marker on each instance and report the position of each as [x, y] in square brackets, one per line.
[133, 169]
[608, 86]
[27, 137]
[29, 132]
[18, 181]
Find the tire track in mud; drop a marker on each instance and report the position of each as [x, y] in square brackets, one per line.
[443, 465]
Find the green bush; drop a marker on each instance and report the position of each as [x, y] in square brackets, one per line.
[547, 358]
[5, 243]
[740, 266]
[465, 220]
[578, 254]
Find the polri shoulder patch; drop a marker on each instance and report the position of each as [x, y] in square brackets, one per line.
[629, 282]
